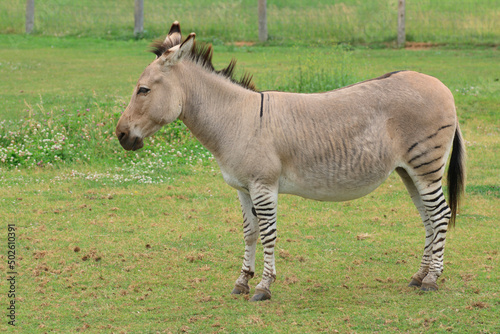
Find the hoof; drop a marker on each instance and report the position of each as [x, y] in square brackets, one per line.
[240, 289]
[415, 283]
[429, 287]
[261, 295]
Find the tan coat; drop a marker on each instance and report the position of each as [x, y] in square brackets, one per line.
[332, 146]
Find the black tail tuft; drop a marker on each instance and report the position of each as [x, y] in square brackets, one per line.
[456, 174]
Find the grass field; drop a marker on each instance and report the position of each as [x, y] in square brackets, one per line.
[150, 241]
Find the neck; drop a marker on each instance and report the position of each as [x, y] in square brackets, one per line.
[215, 108]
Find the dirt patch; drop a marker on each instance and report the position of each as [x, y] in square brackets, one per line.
[419, 45]
[243, 43]
[477, 305]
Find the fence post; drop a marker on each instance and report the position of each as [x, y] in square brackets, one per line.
[262, 20]
[30, 15]
[401, 23]
[138, 18]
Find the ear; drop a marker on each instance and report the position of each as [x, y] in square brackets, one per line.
[177, 53]
[174, 36]
[175, 28]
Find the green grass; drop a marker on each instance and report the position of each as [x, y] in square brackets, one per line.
[102, 255]
[151, 241]
[290, 22]
[73, 118]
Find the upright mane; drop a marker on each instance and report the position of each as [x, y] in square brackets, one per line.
[201, 54]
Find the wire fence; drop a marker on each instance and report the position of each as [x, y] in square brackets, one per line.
[289, 22]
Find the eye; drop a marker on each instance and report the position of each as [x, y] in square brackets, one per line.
[143, 90]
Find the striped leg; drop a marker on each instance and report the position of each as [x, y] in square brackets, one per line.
[426, 161]
[440, 214]
[417, 278]
[251, 234]
[265, 202]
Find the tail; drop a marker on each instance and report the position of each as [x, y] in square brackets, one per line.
[456, 174]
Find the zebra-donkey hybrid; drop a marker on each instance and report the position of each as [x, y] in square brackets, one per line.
[332, 146]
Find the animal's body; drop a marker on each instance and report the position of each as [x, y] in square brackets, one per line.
[332, 146]
[319, 145]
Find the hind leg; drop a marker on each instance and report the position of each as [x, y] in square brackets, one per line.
[425, 162]
[422, 272]
[440, 214]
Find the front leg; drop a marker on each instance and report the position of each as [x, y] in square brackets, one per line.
[265, 202]
[251, 233]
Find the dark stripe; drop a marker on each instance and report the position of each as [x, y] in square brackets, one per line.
[412, 147]
[431, 136]
[385, 76]
[440, 211]
[264, 200]
[389, 74]
[434, 207]
[418, 156]
[266, 226]
[259, 197]
[426, 163]
[263, 236]
[265, 242]
[248, 272]
[432, 192]
[439, 235]
[433, 199]
[261, 104]
[435, 181]
[440, 249]
[265, 209]
[444, 127]
[441, 128]
[444, 215]
[441, 225]
[432, 172]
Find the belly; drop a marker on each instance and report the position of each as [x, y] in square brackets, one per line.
[331, 188]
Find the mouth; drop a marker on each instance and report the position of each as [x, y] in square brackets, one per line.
[131, 144]
[138, 144]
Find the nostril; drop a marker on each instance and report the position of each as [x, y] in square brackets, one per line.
[121, 135]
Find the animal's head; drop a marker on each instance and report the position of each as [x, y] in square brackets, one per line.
[157, 98]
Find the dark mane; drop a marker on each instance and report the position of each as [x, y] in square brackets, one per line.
[202, 54]
[159, 47]
[173, 38]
